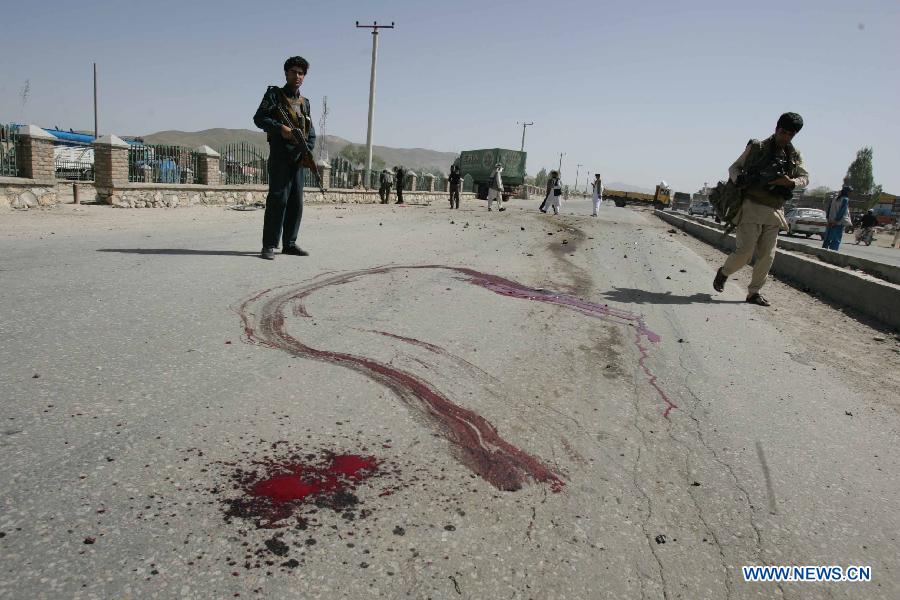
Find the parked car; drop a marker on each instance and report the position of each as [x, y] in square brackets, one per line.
[807, 221]
[703, 209]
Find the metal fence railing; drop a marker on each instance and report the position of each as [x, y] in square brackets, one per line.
[241, 163]
[8, 138]
[156, 163]
[342, 173]
[75, 163]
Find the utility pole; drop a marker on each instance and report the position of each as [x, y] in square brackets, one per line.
[561, 154]
[524, 125]
[577, 172]
[323, 149]
[374, 27]
[95, 102]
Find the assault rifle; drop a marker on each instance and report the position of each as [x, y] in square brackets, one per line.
[303, 153]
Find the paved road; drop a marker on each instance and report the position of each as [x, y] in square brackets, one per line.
[890, 256]
[460, 404]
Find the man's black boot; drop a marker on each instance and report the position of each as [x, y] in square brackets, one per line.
[719, 281]
[295, 251]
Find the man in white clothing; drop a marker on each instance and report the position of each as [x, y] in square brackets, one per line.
[496, 188]
[598, 193]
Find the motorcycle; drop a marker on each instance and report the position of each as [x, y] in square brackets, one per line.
[865, 235]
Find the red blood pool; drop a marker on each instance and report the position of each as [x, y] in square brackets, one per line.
[304, 481]
[279, 490]
[284, 488]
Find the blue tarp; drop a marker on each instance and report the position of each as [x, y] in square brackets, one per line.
[68, 136]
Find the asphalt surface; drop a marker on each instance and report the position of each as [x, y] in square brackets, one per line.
[557, 408]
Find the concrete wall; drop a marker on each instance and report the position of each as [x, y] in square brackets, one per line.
[874, 298]
[21, 193]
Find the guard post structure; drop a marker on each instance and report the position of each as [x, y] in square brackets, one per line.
[34, 154]
[208, 164]
[110, 163]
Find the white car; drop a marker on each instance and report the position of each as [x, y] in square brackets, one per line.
[703, 209]
[807, 221]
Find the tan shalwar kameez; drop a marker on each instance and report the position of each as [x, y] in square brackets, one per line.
[757, 229]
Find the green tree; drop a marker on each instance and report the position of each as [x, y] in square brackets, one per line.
[356, 154]
[876, 195]
[540, 179]
[859, 173]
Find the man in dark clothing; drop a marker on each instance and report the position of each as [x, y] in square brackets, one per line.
[284, 203]
[384, 191]
[455, 180]
[400, 180]
[869, 219]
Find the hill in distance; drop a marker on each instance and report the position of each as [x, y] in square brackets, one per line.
[416, 159]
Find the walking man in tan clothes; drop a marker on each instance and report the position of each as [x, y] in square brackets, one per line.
[766, 172]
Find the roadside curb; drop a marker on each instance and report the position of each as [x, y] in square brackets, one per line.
[877, 299]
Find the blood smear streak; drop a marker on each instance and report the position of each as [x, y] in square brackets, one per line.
[482, 449]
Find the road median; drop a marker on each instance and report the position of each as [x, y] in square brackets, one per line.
[865, 294]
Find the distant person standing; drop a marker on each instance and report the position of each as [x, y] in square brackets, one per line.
[896, 242]
[495, 188]
[766, 171]
[598, 193]
[837, 211]
[384, 191]
[400, 182]
[284, 203]
[455, 181]
[554, 192]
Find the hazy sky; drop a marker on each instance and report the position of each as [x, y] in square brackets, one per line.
[638, 91]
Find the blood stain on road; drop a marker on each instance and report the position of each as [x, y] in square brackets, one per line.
[274, 490]
[480, 446]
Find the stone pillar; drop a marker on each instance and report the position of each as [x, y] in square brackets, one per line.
[325, 169]
[34, 154]
[110, 162]
[447, 186]
[411, 179]
[208, 165]
[429, 182]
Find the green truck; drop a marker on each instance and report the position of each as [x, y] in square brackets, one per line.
[479, 164]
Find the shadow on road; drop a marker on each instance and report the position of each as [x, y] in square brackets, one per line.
[178, 251]
[636, 296]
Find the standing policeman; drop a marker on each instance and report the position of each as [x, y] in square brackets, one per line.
[284, 204]
[399, 181]
[455, 180]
